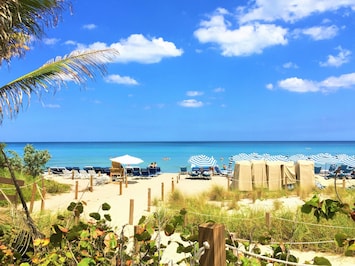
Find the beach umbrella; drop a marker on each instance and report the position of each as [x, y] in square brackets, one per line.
[127, 159]
[202, 160]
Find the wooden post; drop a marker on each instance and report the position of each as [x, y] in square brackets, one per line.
[91, 183]
[172, 185]
[177, 179]
[120, 188]
[126, 180]
[162, 191]
[149, 198]
[33, 196]
[76, 189]
[228, 183]
[72, 174]
[214, 235]
[43, 196]
[131, 210]
[268, 220]
[344, 183]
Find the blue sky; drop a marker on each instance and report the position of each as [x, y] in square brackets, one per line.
[198, 70]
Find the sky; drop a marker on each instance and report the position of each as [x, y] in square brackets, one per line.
[197, 71]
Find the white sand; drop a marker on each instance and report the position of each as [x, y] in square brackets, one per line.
[137, 191]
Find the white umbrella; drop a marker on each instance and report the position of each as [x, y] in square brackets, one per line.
[127, 159]
[202, 160]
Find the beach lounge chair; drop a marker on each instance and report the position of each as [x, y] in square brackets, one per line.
[129, 171]
[145, 173]
[183, 170]
[152, 171]
[136, 171]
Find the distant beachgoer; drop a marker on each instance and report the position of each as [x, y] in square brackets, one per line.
[224, 167]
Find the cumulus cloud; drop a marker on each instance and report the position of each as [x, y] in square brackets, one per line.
[256, 26]
[321, 32]
[50, 41]
[89, 26]
[194, 93]
[138, 48]
[191, 103]
[241, 41]
[337, 60]
[288, 11]
[117, 79]
[330, 84]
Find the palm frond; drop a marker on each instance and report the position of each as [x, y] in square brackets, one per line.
[77, 67]
[20, 19]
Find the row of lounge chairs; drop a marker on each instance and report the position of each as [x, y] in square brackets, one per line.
[202, 172]
[99, 176]
[147, 172]
[342, 171]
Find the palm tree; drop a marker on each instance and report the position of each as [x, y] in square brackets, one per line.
[20, 21]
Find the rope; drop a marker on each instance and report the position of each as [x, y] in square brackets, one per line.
[266, 258]
[319, 225]
[40, 192]
[5, 196]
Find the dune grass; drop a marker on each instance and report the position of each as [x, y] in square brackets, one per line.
[293, 227]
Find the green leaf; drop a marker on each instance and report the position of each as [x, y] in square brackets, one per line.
[95, 215]
[340, 239]
[306, 208]
[106, 206]
[169, 229]
[321, 261]
[108, 217]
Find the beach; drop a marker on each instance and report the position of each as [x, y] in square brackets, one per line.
[137, 191]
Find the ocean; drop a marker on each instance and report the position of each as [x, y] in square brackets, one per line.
[170, 156]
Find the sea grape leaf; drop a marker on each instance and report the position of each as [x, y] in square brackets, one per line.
[106, 206]
[95, 215]
[340, 239]
[321, 261]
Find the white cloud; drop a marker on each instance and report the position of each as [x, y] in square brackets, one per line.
[330, 84]
[191, 103]
[245, 40]
[269, 86]
[256, 26]
[137, 48]
[321, 32]
[289, 11]
[337, 60]
[194, 93]
[295, 84]
[55, 106]
[120, 80]
[71, 42]
[50, 41]
[219, 89]
[89, 26]
[289, 65]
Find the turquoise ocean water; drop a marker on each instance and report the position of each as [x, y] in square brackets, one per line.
[170, 156]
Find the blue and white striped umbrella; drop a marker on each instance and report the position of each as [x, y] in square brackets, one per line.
[202, 161]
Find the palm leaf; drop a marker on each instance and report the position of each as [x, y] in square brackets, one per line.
[77, 67]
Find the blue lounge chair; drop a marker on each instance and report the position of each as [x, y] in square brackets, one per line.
[145, 173]
[152, 171]
[136, 171]
[183, 170]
